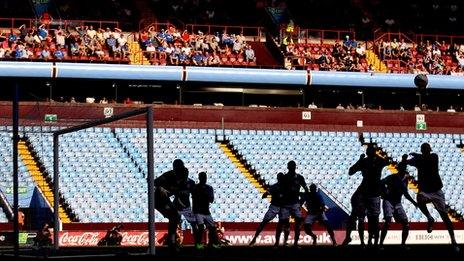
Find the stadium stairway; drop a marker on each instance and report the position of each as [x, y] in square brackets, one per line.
[227, 148]
[131, 157]
[136, 56]
[374, 60]
[38, 176]
[6, 207]
[263, 55]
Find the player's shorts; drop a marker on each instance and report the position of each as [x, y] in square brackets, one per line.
[311, 218]
[188, 215]
[394, 210]
[373, 206]
[293, 210]
[205, 219]
[358, 205]
[271, 213]
[436, 198]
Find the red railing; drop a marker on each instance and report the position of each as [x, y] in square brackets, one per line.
[15, 23]
[161, 58]
[116, 58]
[255, 32]
[449, 39]
[380, 37]
[156, 26]
[389, 37]
[309, 35]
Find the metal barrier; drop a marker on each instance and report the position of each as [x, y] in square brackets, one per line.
[255, 32]
[449, 39]
[15, 23]
[319, 35]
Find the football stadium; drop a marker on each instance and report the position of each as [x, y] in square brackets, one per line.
[240, 130]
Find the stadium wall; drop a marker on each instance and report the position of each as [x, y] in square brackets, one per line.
[32, 113]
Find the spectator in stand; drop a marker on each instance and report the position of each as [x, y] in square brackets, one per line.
[348, 43]
[340, 107]
[197, 58]
[250, 54]
[312, 106]
[12, 37]
[237, 47]
[42, 32]
[460, 59]
[2, 52]
[104, 100]
[451, 109]
[29, 39]
[59, 54]
[45, 54]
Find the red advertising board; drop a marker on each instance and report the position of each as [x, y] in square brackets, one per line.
[241, 237]
[86, 239]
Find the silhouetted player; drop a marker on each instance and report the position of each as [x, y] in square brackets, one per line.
[202, 196]
[182, 200]
[291, 199]
[276, 192]
[393, 187]
[368, 198]
[402, 168]
[430, 185]
[316, 207]
[358, 212]
[167, 185]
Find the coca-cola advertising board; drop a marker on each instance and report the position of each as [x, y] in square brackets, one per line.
[86, 239]
[237, 238]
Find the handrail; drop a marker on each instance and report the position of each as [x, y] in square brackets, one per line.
[156, 58]
[6, 206]
[15, 23]
[251, 31]
[380, 36]
[157, 26]
[436, 37]
[389, 36]
[305, 35]
[118, 59]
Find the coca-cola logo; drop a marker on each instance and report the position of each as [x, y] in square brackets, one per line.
[80, 238]
[134, 239]
[129, 238]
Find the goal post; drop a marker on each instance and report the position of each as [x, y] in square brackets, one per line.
[150, 177]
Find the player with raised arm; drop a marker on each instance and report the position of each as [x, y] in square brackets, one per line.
[393, 187]
[430, 188]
